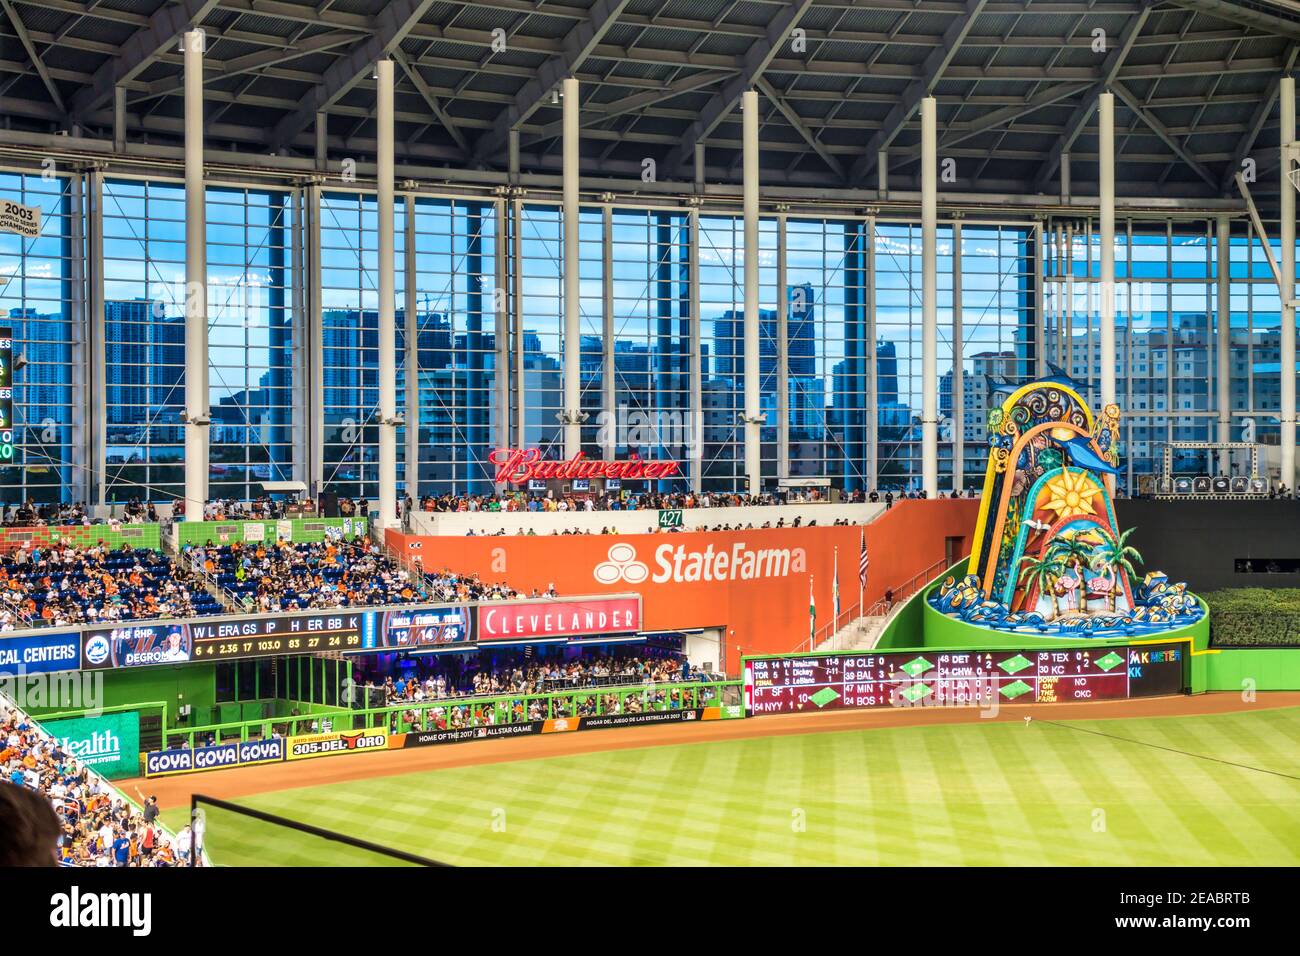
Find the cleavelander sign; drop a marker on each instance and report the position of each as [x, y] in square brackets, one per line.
[558, 619]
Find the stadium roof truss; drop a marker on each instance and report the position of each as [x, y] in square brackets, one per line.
[289, 86]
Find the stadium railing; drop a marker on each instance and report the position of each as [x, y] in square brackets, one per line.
[230, 834]
[551, 705]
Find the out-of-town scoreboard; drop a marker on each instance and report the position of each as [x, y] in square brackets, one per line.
[782, 685]
[6, 396]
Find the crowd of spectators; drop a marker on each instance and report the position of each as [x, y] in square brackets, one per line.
[59, 585]
[651, 501]
[269, 576]
[256, 509]
[89, 823]
[796, 522]
[28, 514]
[524, 676]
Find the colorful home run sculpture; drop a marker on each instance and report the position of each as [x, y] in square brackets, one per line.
[1048, 555]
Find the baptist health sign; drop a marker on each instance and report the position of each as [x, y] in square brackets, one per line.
[110, 743]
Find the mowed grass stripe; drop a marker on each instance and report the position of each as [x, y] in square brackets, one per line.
[966, 793]
[1180, 795]
[1260, 800]
[1084, 794]
[1037, 815]
[977, 793]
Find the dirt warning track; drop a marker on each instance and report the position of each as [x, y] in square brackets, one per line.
[248, 781]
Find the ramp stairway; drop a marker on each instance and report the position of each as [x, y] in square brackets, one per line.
[855, 630]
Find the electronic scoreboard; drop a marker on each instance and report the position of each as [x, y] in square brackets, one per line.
[784, 685]
[6, 396]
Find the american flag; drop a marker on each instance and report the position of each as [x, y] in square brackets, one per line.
[862, 561]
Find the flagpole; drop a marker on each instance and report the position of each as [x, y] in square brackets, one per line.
[835, 592]
[861, 583]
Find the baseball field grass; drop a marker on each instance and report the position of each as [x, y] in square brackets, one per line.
[1209, 790]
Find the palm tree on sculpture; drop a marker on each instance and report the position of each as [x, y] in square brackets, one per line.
[1042, 572]
[1117, 556]
[1071, 551]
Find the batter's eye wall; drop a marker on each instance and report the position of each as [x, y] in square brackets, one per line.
[1206, 543]
[754, 584]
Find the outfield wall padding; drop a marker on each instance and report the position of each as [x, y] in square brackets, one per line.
[82, 536]
[1242, 669]
[297, 530]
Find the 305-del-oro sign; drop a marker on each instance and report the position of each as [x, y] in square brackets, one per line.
[518, 465]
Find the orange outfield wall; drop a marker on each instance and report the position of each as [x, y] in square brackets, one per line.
[761, 599]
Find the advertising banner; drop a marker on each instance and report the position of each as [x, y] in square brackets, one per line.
[137, 644]
[42, 653]
[110, 743]
[244, 753]
[544, 620]
[425, 628]
[601, 721]
[427, 738]
[331, 745]
[144, 643]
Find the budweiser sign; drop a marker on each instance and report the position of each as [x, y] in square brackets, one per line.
[558, 619]
[518, 465]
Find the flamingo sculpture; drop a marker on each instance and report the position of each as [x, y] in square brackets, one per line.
[1067, 584]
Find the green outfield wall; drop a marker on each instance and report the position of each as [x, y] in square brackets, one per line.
[297, 530]
[82, 536]
[1246, 669]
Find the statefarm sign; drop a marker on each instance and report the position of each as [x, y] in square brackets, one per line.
[518, 465]
[558, 619]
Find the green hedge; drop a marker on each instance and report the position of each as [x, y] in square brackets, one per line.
[1254, 617]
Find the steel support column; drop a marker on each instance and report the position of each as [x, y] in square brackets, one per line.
[1040, 316]
[517, 319]
[572, 412]
[81, 476]
[196, 287]
[608, 400]
[315, 390]
[501, 314]
[872, 397]
[958, 366]
[411, 323]
[119, 119]
[1223, 343]
[697, 371]
[300, 336]
[96, 379]
[1286, 206]
[387, 373]
[1106, 200]
[929, 299]
[783, 349]
[752, 414]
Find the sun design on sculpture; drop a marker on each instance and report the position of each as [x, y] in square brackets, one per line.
[1070, 494]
